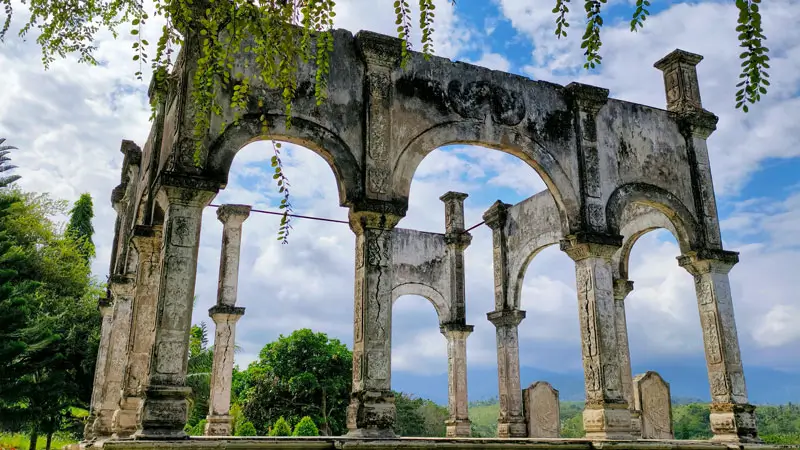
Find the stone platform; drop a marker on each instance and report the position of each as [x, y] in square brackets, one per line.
[294, 443]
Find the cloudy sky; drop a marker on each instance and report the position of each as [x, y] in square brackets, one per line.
[68, 123]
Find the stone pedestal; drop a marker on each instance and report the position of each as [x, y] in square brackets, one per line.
[106, 314]
[164, 412]
[458, 424]
[621, 290]
[732, 417]
[371, 412]
[606, 415]
[511, 421]
[147, 242]
[218, 421]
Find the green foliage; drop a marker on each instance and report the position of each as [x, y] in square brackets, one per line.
[80, 227]
[418, 417]
[306, 427]
[201, 359]
[303, 374]
[246, 429]
[280, 428]
[691, 421]
[198, 429]
[5, 166]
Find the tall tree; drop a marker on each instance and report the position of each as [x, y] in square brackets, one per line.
[6, 180]
[201, 359]
[80, 226]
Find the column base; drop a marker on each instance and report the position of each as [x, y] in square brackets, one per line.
[371, 414]
[609, 421]
[516, 429]
[218, 425]
[636, 424]
[88, 434]
[734, 423]
[101, 428]
[458, 428]
[124, 422]
[163, 413]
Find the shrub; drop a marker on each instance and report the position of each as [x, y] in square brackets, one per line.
[281, 428]
[246, 429]
[306, 427]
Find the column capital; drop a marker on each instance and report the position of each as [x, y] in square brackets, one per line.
[697, 123]
[378, 49]
[453, 196]
[187, 189]
[456, 330]
[105, 305]
[146, 238]
[121, 286]
[495, 216]
[460, 239]
[585, 245]
[117, 197]
[507, 317]
[622, 288]
[382, 220]
[453, 211]
[587, 97]
[233, 215]
[705, 261]
[225, 313]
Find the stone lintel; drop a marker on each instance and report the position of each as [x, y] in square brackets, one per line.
[495, 216]
[584, 245]
[233, 213]
[378, 48]
[587, 97]
[622, 288]
[465, 330]
[507, 317]
[704, 261]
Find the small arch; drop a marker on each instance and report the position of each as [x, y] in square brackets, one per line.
[303, 132]
[531, 248]
[642, 220]
[684, 226]
[436, 298]
[496, 137]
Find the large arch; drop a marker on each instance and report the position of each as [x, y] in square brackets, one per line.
[435, 297]
[304, 132]
[497, 137]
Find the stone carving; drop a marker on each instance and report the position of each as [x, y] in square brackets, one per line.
[542, 412]
[713, 351]
[651, 397]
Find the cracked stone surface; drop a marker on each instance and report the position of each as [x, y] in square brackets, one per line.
[614, 170]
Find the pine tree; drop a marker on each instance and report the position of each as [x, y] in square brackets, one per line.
[306, 427]
[247, 429]
[4, 166]
[281, 428]
[80, 226]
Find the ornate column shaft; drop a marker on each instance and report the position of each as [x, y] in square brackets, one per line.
[511, 420]
[106, 313]
[732, 417]
[121, 288]
[458, 424]
[621, 290]
[372, 412]
[606, 415]
[225, 315]
[147, 242]
[165, 409]
[218, 422]
[457, 241]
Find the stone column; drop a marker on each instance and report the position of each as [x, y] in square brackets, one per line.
[218, 421]
[147, 242]
[511, 420]
[225, 315]
[621, 290]
[164, 412]
[122, 289]
[606, 415]
[458, 424]
[106, 310]
[732, 417]
[457, 241]
[372, 412]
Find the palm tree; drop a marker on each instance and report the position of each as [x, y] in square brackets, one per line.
[4, 166]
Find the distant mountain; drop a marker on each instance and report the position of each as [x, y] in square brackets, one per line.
[688, 383]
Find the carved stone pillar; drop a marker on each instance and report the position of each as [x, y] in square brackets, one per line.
[511, 420]
[683, 99]
[621, 290]
[495, 218]
[606, 415]
[458, 424]
[732, 417]
[122, 289]
[457, 241]
[372, 412]
[165, 409]
[106, 314]
[225, 315]
[218, 421]
[147, 242]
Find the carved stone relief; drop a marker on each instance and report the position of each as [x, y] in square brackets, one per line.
[542, 410]
[652, 398]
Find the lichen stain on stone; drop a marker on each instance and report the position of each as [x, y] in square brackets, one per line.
[558, 125]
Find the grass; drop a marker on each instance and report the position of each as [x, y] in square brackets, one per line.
[21, 441]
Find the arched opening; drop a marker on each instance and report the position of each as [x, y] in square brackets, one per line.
[307, 283]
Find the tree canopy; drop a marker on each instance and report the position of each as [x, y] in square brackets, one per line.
[80, 227]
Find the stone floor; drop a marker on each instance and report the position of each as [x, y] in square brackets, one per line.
[272, 443]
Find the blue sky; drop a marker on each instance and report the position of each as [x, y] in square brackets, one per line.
[68, 123]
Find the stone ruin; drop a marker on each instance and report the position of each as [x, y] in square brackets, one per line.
[613, 169]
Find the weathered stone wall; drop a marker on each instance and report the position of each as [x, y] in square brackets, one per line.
[420, 267]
